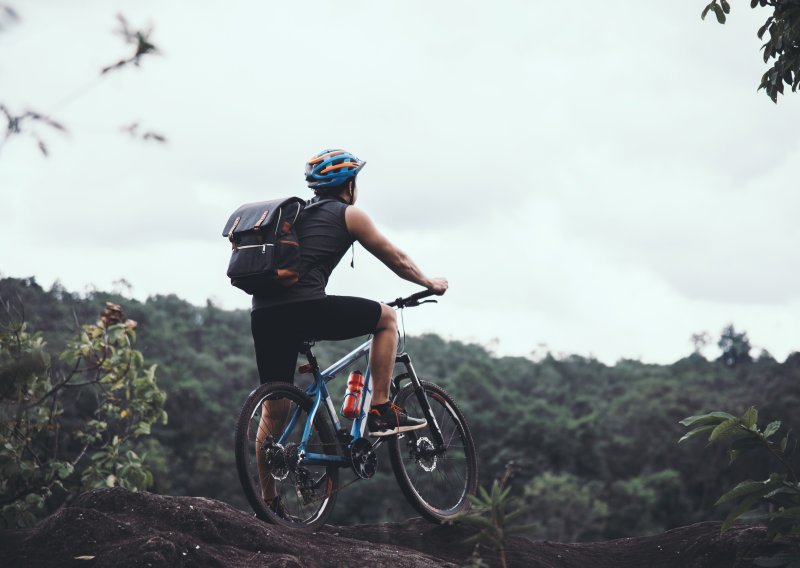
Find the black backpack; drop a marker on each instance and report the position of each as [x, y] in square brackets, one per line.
[266, 252]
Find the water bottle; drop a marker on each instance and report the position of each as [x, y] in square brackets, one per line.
[352, 398]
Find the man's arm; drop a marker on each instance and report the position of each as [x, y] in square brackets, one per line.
[364, 231]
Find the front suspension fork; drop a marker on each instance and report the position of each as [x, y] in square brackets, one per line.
[422, 397]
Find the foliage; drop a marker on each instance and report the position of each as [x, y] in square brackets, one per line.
[565, 507]
[42, 450]
[735, 347]
[568, 420]
[779, 490]
[783, 44]
[20, 123]
[489, 513]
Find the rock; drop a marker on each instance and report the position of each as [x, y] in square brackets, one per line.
[121, 529]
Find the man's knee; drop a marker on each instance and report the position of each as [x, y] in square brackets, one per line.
[388, 319]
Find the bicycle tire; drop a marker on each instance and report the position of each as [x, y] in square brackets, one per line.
[322, 440]
[436, 497]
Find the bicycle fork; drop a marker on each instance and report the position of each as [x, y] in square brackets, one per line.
[419, 392]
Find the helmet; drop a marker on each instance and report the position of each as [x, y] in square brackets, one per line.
[332, 168]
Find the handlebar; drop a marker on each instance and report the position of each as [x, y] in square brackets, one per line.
[413, 299]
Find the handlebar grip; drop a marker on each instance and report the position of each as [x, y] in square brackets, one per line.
[411, 300]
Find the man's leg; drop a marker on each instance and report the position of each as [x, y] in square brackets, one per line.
[276, 356]
[382, 354]
[274, 415]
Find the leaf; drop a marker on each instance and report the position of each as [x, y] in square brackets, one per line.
[696, 432]
[725, 6]
[719, 13]
[790, 513]
[479, 521]
[750, 417]
[723, 428]
[771, 428]
[710, 418]
[744, 506]
[705, 11]
[744, 488]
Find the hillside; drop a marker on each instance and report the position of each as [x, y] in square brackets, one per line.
[117, 529]
[596, 443]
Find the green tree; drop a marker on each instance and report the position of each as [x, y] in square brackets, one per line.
[782, 46]
[564, 508]
[45, 457]
[735, 347]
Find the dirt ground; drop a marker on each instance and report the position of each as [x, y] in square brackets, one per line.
[114, 527]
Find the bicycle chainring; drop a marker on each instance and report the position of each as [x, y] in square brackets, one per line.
[363, 458]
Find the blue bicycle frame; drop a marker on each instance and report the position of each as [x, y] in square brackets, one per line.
[318, 391]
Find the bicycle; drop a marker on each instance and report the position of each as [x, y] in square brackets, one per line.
[436, 467]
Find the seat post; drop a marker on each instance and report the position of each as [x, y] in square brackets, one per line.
[306, 349]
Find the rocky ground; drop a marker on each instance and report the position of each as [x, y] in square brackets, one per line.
[118, 528]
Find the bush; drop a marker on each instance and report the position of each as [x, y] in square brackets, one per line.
[53, 419]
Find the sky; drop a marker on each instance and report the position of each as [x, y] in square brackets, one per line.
[597, 178]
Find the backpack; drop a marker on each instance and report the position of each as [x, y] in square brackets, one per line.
[266, 252]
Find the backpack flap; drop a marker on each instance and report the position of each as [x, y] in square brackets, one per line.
[256, 217]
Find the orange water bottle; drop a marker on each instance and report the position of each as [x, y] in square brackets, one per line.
[352, 398]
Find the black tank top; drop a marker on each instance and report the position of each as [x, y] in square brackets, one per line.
[324, 239]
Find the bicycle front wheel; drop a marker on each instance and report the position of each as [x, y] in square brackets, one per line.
[436, 478]
[268, 434]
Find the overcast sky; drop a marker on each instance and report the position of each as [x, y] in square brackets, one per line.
[598, 177]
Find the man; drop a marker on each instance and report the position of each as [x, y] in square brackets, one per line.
[327, 228]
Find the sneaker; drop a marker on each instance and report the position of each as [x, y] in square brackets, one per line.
[389, 419]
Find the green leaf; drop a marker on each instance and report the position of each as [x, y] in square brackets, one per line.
[744, 488]
[142, 429]
[723, 428]
[34, 499]
[790, 513]
[725, 6]
[705, 11]
[763, 28]
[743, 507]
[696, 432]
[479, 521]
[719, 13]
[750, 417]
[771, 428]
[710, 418]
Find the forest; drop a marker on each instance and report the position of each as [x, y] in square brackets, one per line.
[594, 445]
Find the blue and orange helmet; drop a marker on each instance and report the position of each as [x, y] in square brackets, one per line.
[332, 168]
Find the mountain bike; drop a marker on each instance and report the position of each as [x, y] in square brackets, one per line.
[306, 446]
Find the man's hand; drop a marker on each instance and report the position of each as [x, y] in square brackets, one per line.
[438, 285]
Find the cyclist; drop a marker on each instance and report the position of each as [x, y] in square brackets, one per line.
[327, 228]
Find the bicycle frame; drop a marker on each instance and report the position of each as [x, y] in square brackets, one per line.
[318, 391]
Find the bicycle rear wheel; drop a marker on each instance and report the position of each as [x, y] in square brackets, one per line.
[266, 463]
[436, 481]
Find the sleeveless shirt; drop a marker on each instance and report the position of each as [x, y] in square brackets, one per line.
[322, 232]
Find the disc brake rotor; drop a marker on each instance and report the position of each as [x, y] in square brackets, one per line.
[425, 454]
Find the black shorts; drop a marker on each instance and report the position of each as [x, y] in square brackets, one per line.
[279, 331]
